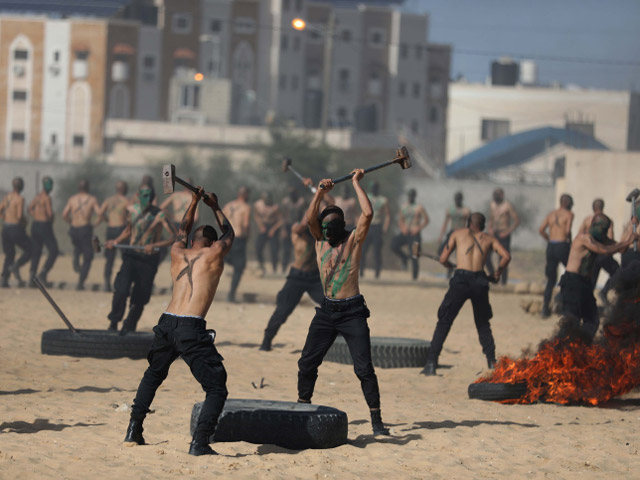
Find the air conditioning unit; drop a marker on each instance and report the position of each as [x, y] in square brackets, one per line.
[54, 70]
[19, 70]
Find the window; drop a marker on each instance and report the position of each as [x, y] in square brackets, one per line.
[404, 50]
[418, 52]
[314, 34]
[296, 42]
[78, 140]
[80, 64]
[17, 136]
[402, 89]
[284, 42]
[295, 82]
[282, 83]
[56, 56]
[376, 37]
[493, 129]
[215, 25]
[244, 25]
[344, 79]
[20, 54]
[343, 117]
[149, 62]
[190, 96]
[182, 23]
[375, 84]
[345, 36]
[416, 90]
[54, 139]
[82, 54]
[434, 115]
[436, 89]
[19, 95]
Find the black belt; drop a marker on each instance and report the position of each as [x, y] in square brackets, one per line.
[300, 273]
[176, 321]
[342, 305]
[469, 273]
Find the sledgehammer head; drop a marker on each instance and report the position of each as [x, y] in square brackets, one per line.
[286, 163]
[168, 178]
[96, 244]
[403, 158]
[633, 195]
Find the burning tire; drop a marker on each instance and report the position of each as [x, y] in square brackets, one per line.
[296, 426]
[497, 391]
[96, 343]
[386, 352]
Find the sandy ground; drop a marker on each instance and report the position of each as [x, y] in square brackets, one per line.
[60, 417]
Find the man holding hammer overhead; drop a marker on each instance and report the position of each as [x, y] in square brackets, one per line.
[138, 268]
[181, 330]
[343, 309]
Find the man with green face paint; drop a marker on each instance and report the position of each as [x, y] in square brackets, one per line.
[41, 210]
[575, 285]
[139, 268]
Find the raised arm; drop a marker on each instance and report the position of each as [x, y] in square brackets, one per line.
[366, 215]
[187, 220]
[314, 208]
[228, 235]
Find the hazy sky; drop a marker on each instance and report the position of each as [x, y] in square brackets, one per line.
[594, 31]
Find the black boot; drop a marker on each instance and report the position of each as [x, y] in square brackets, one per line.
[16, 273]
[430, 367]
[113, 326]
[134, 432]
[491, 362]
[200, 446]
[43, 279]
[4, 282]
[266, 343]
[376, 423]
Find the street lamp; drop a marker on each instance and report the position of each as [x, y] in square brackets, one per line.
[300, 25]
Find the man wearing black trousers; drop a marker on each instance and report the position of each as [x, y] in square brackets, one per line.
[379, 227]
[412, 219]
[181, 330]
[343, 309]
[14, 234]
[41, 210]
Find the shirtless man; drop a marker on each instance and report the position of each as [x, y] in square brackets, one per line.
[575, 285]
[78, 212]
[269, 220]
[114, 211]
[458, 216]
[630, 255]
[303, 277]
[41, 210]
[412, 220]
[238, 212]
[292, 207]
[468, 282]
[503, 220]
[602, 261]
[13, 233]
[559, 223]
[139, 267]
[182, 330]
[379, 228]
[176, 204]
[348, 205]
[343, 309]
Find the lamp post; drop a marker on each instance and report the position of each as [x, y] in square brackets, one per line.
[300, 25]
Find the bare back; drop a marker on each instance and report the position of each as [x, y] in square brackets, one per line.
[40, 208]
[115, 209]
[471, 254]
[79, 209]
[303, 252]
[502, 214]
[238, 212]
[559, 224]
[340, 267]
[268, 214]
[586, 223]
[195, 273]
[179, 202]
[12, 208]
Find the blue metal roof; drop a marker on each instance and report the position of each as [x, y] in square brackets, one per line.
[64, 8]
[519, 148]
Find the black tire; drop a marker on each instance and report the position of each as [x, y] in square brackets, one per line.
[497, 391]
[296, 426]
[386, 352]
[96, 343]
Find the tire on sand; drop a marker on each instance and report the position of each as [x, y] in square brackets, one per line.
[296, 426]
[96, 343]
[386, 352]
[497, 391]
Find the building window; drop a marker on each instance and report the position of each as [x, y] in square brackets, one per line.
[343, 117]
[80, 64]
[17, 136]
[190, 97]
[78, 140]
[282, 82]
[404, 50]
[295, 82]
[215, 25]
[415, 128]
[149, 62]
[377, 37]
[284, 42]
[345, 36]
[54, 139]
[314, 34]
[344, 79]
[244, 26]
[434, 115]
[493, 129]
[82, 54]
[296, 42]
[56, 56]
[182, 23]
[20, 95]
[375, 84]
[20, 54]
[436, 88]
[402, 89]
[416, 90]
[418, 52]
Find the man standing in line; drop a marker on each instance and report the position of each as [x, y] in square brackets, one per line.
[13, 233]
[176, 204]
[412, 220]
[348, 205]
[503, 220]
[292, 208]
[116, 212]
[468, 282]
[78, 212]
[575, 285]
[558, 240]
[343, 309]
[41, 210]
[139, 268]
[458, 215]
[379, 228]
[269, 220]
[602, 261]
[238, 212]
[182, 330]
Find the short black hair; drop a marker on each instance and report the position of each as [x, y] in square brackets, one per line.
[206, 231]
[331, 209]
[598, 204]
[478, 220]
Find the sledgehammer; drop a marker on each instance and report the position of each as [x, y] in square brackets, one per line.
[402, 158]
[416, 252]
[169, 179]
[633, 198]
[286, 165]
[97, 246]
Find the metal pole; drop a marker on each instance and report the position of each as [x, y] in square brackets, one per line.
[328, 67]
